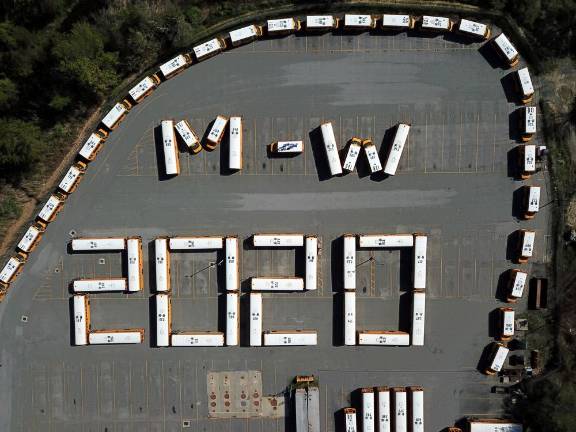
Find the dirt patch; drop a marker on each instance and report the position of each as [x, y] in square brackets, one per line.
[571, 215]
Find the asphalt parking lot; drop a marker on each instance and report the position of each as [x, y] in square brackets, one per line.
[453, 183]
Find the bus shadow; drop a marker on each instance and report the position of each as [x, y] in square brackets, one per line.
[337, 275]
[340, 421]
[512, 246]
[152, 320]
[204, 138]
[404, 312]
[159, 147]
[484, 358]
[385, 147]
[225, 156]
[508, 83]
[512, 166]
[514, 125]
[460, 39]
[502, 286]
[72, 321]
[362, 165]
[493, 323]
[319, 154]
[518, 198]
[489, 53]
[245, 320]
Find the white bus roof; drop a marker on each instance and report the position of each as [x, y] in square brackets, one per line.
[508, 323]
[173, 65]
[278, 240]
[90, 146]
[396, 149]
[162, 275]
[351, 20]
[529, 158]
[141, 88]
[277, 284]
[368, 413]
[373, 158]
[80, 320]
[49, 208]
[386, 240]
[186, 133]
[10, 269]
[400, 410]
[114, 115]
[528, 243]
[289, 147]
[162, 319]
[235, 143]
[311, 263]
[349, 317]
[435, 22]
[201, 242]
[293, 338]
[349, 262]
[100, 285]
[383, 338]
[232, 282]
[205, 339]
[283, 24]
[391, 20]
[494, 426]
[105, 337]
[255, 319]
[331, 149]
[207, 48]
[420, 248]
[384, 410]
[320, 21]
[533, 198]
[418, 318]
[530, 119]
[417, 410]
[243, 33]
[525, 82]
[169, 147]
[506, 47]
[232, 319]
[69, 179]
[350, 420]
[472, 27]
[351, 156]
[215, 134]
[99, 244]
[134, 253]
[499, 358]
[28, 239]
[519, 283]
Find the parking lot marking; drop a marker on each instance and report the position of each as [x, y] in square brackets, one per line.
[477, 138]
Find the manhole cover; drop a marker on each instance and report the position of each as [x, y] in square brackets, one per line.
[24, 318]
[72, 233]
[57, 270]
[186, 423]
[102, 261]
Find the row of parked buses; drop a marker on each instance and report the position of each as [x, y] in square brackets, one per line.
[388, 409]
[418, 242]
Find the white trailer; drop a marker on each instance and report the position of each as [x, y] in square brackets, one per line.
[134, 255]
[188, 136]
[232, 274]
[277, 284]
[287, 147]
[196, 243]
[399, 22]
[232, 318]
[368, 410]
[436, 23]
[349, 262]
[235, 144]
[498, 357]
[201, 339]
[321, 22]
[493, 425]
[418, 318]
[506, 50]
[313, 409]
[331, 149]
[474, 29]
[31, 238]
[350, 318]
[397, 148]
[175, 65]
[144, 88]
[162, 265]
[507, 323]
[518, 282]
[359, 22]
[383, 409]
[301, 410]
[91, 147]
[255, 319]
[417, 409]
[352, 155]
[99, 285]
[290, 338]
[372, 156]
[163, 320]
[283, 26]
[98, 244]
[245, 34]
[11, 269]
[528, 124]
[350, 419]
[209, 48]
[400, 409]
[169, 147]
[50, 209]
[72, 177]
[216, 132]
[525, 85]
[81, 319]
[278, 240]
[311, 263]
[116, 114]
[377, 337]
[386, 240]
[528, 152]
[115, 337]
[420, 247]
[527, 239]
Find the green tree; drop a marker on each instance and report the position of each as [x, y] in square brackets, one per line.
[8, 93]
[20, 146]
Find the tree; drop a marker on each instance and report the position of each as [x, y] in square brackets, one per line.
[20, 146]
[8, 93]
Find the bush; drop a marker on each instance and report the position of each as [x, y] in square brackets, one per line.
[20, 146]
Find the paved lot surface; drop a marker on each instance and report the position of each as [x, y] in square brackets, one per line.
[452, 183]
